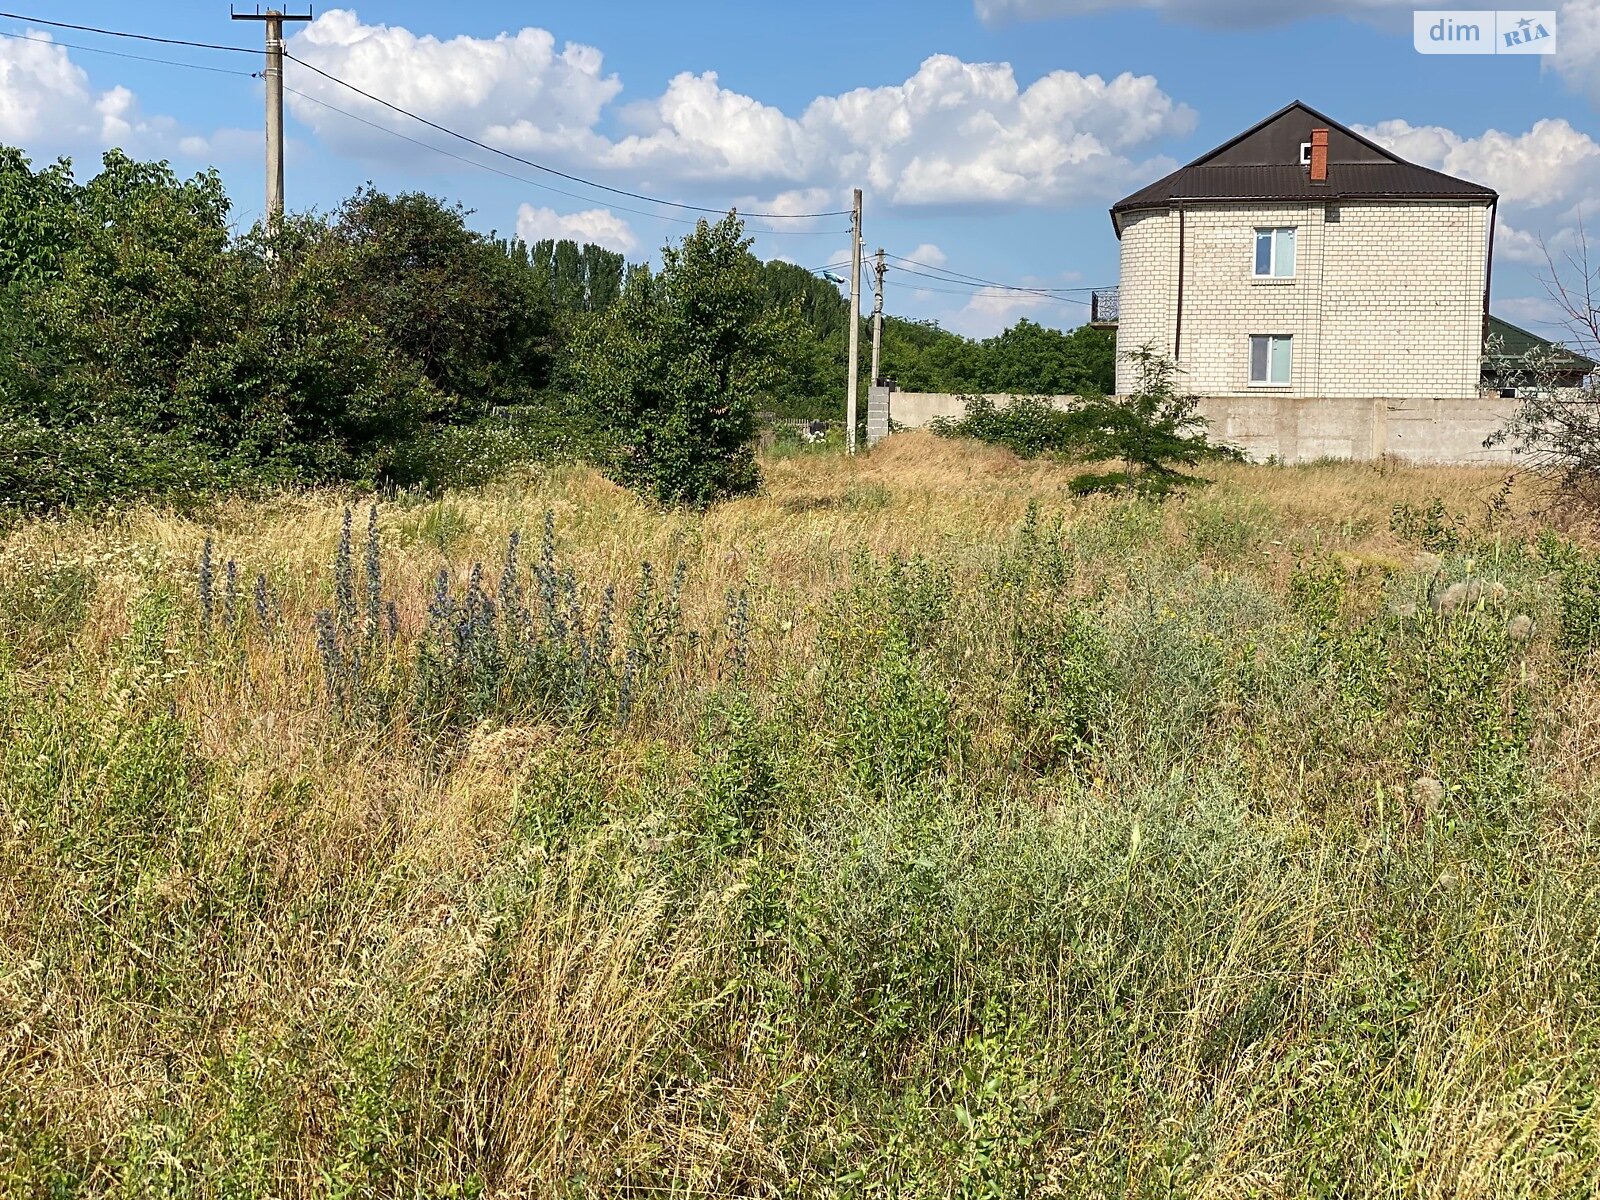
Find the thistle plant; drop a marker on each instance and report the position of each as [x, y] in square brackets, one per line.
[374, 575]
[207, 586]
[269, 610]
[353, 637]
[335, 670]
[486, 651]
[344, 584]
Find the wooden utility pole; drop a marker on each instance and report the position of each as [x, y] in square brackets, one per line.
[855, 324]
[274, 78]
[877, 317]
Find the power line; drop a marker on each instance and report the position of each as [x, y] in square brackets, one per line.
[472, 162]
[528, 162]
[142, 37]
[967, 290]
[145, 37]
[171, 62]
[957, 276]
[1036, 297]
[1000, 287]
[1019, 297]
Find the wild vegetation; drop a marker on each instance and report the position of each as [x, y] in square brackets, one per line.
[1555, 427]
[148, 350]
[1149, 434]
[676, 366]
[910, 829]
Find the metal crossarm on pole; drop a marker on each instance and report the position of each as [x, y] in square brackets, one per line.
[273, 75]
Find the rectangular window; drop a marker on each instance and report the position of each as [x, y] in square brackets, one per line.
[1275, 253]
[1271, 358]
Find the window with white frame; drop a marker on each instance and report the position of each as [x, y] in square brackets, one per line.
[1275, 253]
[1271, 358]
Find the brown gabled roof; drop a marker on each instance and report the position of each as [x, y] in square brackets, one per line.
[1263, 164]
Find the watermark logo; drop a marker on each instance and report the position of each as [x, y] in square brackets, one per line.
[1484, 31]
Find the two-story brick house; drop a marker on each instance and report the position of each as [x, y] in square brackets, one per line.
[1317, 289]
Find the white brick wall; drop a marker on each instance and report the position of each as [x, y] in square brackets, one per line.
[1386, 301]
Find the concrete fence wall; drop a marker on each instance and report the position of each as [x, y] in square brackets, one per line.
[1297, 430]
[912, 410]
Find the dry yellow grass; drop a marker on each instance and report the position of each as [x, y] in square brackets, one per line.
[251, 943]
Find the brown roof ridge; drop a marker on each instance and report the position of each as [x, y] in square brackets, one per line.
[1283, 112]
[1391, 178]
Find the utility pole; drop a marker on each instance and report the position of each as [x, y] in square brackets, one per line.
[855, 324]
[877, 317]
[274, 78]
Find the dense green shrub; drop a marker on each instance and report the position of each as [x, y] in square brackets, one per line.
[1150, 432]
[474, 315]
[677, 365]
[146, 350]
[1028, 426]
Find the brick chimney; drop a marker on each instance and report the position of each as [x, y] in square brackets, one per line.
[1319, 156]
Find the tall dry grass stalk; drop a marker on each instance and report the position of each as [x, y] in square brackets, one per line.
[950, 836]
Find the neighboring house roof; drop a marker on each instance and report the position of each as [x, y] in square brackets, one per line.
[1516, 343]
[1263, 164]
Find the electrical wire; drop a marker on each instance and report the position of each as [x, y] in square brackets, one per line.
[931, 271]
[142, 37]
[949, 276]
[1021, 299]
[955, 276]
[171, 62]
[472, 162]
[528, 162]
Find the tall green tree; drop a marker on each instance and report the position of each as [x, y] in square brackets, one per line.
[476, 321]
[676, 367]
[36, 219]
[577, 279]
[1032, 359]
[148, 351]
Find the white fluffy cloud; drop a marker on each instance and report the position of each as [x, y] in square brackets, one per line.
[1517, 245]
[598, 225]
[1577, 21]
[48, 104]
[993, 309]
[1539, 313]
[954, 134]
[1551, 165]
[41, 90]
[1578, 44]
[46, 98]
[929, 254]
[515, 90]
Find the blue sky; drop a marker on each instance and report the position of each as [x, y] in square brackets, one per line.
[988, 135]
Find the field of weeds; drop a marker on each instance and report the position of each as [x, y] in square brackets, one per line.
[911, 830]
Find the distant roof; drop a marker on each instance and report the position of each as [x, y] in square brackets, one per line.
[1263, 164]
[1516, 342]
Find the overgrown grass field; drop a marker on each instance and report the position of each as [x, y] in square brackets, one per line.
[913, 829]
